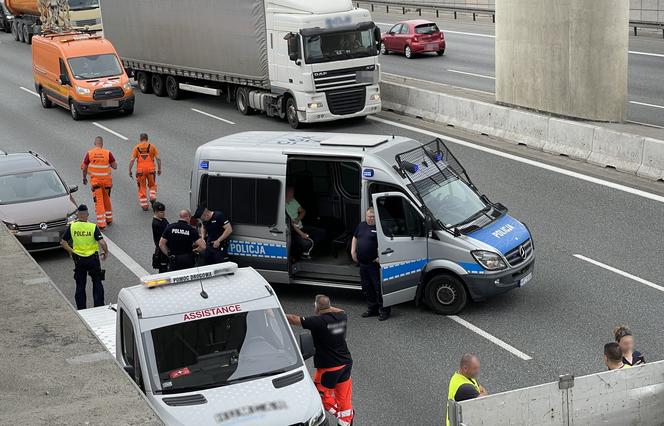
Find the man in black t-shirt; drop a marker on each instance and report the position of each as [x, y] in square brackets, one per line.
[159, 224]
[216, 231]
[364, 250]
[180, 242]
[332, 360]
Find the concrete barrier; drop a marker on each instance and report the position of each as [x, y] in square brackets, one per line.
[595, 144]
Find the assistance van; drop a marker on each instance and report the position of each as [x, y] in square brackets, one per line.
[80, 72]
[210, 346]
[440, 240]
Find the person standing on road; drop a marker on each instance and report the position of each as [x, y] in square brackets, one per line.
[181, 242]
[159, 224]
[463, 384]
[364, 251]
[332, 359]
[613, 357]
[145, 154]
[82, 240]
[98, 162]
[625, 340]
[216, 230]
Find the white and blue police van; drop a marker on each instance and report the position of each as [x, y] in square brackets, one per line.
[211, 346]
[440, 240]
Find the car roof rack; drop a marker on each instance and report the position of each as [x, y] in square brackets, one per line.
[40, 158]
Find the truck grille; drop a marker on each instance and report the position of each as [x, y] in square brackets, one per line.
[335, 79]
[346, 101]
[108, 93]
[36, 226]
[519, 254]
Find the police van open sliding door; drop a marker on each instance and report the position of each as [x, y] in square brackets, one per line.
[402, 246]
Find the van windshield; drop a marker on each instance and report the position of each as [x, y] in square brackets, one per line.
[95, 66]
[223, 350]
[34, 186]
[453, 202]
[83, 4]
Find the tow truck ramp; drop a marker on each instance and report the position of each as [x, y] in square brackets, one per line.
[631, 396]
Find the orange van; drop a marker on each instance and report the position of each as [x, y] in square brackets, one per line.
[80, 72]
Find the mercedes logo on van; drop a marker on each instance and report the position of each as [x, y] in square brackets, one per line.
[43, 226]
[522, 252]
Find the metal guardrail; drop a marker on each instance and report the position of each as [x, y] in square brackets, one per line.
[474, 11]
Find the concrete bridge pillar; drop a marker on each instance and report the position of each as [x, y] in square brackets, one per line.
[567, 57]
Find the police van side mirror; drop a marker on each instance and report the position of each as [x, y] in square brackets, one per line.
[307, 346]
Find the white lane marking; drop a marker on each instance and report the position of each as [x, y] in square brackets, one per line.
[125, 259]
[534, 163]
[472, 74]
[212, 116]
[493, 339]
[32, 92]
[619, 272]
[645, 104]
[113, 132]
[658, 55]
[645, 124]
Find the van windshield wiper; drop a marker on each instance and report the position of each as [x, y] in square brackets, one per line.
[257, 376]
[473, 217]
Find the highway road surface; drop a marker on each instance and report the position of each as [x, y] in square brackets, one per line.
[598, 241]
[469, 62]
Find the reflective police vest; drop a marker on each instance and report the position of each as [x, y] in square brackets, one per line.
[456, 382]
[83, 237]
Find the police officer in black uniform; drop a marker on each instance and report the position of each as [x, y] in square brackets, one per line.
[216, 231]
[181, 242]
[159, 224]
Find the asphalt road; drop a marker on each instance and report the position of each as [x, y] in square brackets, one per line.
[469, 62]
[402, 366]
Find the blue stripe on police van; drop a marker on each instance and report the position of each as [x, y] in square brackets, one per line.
[472, 268]
[257, 249]
[403, 269]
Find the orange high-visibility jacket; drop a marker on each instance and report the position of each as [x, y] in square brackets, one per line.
[145, 153]
[99, 168]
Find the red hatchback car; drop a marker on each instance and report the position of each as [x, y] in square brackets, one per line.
[411, 37]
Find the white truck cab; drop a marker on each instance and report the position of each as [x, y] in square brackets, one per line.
[211, 345]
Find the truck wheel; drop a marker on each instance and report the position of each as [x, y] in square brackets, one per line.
[173, 88]
[445, 294]
[144, 82]
[73, 109]
[291, 113]
[26, 34]
[45, 101]
[15, 31]
[408, 52]
[19, 28]
[158, 85]
[242, 101]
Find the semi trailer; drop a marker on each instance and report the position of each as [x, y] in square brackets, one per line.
[306, 61]
[84, 15]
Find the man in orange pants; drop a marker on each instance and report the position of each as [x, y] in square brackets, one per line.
[145, 153]
[98, 163]
[332, 359]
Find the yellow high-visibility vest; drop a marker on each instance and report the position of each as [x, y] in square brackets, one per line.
[456, 382]
[83, 237]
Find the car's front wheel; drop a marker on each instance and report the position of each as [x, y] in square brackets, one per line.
[73, 110]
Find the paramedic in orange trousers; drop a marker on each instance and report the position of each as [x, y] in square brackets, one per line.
[332, 359]
[98, 163]
[145, 154]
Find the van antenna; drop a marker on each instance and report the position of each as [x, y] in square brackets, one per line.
[203, 293]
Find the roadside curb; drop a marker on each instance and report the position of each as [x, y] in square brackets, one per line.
[626, 152]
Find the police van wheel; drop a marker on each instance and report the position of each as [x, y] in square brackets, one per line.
[446, 295]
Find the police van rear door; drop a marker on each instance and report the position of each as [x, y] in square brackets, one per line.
[402, 246]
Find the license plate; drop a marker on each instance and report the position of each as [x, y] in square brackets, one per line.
[50, 237]
[525, 279]
[112, 103]
[432, 46]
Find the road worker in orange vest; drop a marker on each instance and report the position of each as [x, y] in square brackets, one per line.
[98, 163]
[145, 154]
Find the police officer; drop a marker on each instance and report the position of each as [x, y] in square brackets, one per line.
[332, 358]
[463, 384]
[85, 239]
[159, 224]
[215, 231]
[181, 243]
[364, 250]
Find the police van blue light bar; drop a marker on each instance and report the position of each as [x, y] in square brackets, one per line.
[204, 165]
[368, 173]
[191, 274]
[410, 167]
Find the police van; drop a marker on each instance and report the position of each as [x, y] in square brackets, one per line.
[211, 346]
[440, 240]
